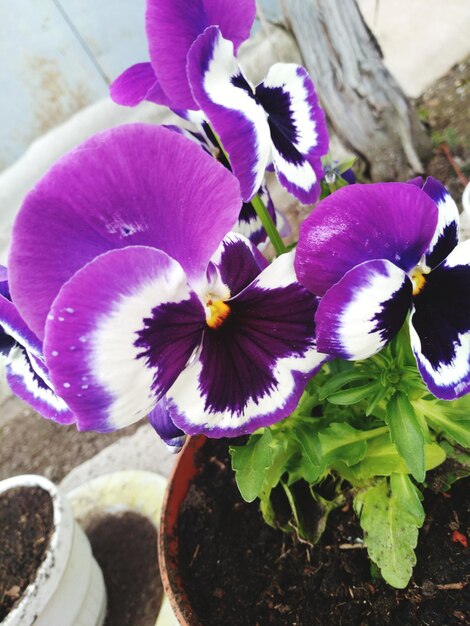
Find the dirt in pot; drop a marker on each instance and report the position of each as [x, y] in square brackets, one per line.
[26, 526]
[239, 571]
[125, 547]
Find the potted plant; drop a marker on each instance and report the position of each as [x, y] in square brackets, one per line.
[136, 287]
[49, 575]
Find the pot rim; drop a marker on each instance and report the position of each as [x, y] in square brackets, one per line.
[38, 593]
[178, 485]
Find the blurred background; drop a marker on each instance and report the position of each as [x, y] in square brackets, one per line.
[59, 56]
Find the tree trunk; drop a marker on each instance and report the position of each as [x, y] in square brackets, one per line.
[363, 102]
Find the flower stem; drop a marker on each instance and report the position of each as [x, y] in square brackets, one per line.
[260, 210]
[268, 225]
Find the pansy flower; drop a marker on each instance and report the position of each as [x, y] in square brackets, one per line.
[278, 122]
[26, 372]
[376, 253]
[121, 260]
[172, 26]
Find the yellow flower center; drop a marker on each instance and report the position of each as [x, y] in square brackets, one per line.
[218, 313]
[418, 278]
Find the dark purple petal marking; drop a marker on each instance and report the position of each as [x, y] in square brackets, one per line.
[6, 342]
[233, 112]
[164, 426]
[30, 384]
[252, 368]
[238, 262]
[173, 26]
[393, 221]
[359, 315]
[12, 325]
[446, 236]
[113, 191]
[102, 335]
[136, 84]
[169, 337]
[440, 326]
[298, 129]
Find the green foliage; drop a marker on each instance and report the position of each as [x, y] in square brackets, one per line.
[390, 515]
[383, 459]
[250, 463]
[451, 419]
[368, 428]
[406, 434]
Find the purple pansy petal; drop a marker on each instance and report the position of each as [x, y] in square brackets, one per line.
[234, 19]
[298, 129]
[136, 84]
[14, 326]
[440, 326]
[359, 315]
[161, 421]
[119, 333]
[446, 236]
[418, 181]
[227, 100]
[4, 288]
[238, 263]
[115, 190]
[30, 384]
[252, 370]
[173, 26]
[393, 221]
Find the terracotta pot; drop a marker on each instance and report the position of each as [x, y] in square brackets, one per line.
[178, 486]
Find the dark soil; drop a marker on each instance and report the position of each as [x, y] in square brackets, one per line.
[26, 526]
[125, 547]
[239, 571]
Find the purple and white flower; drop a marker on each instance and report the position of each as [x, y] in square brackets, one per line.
[26, 372]
[121, 260]
[279, 121]
[172, 27]
[376, 252]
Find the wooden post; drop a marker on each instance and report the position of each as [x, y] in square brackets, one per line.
[364, 103]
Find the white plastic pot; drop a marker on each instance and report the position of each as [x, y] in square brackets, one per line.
[69, 588]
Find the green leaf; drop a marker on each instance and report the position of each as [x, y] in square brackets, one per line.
[336, 381]
[282, 449]
[382, 459]
[345, 165]
[309, 511]
[406, 434]
[409, 496]
[390, 533]
[250, 463]
[342, 442]
[311, 465]
[450, 418]
[354, 395]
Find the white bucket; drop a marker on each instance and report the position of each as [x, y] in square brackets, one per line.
[69, 588]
